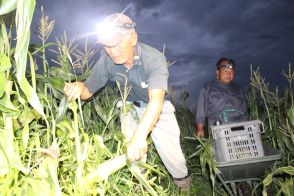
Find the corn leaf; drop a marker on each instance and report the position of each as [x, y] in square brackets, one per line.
[8, 153]
[5, 102]
[25, 136]
[27, 116]
[34, 49]
[4, 62]
[100, 148]
[33, 73]
[66, 126]
[24, 14]
[57, 83]
[289, 170]
[101, 111]
[7, 6]
[267, 180]
[135, 170]
[38, 187]
[62, 109]
[288, 187]
[291, 115]
[4, 41]
[4, 159]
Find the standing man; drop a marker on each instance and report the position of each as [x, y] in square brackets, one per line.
[220, 101]
[145, 69]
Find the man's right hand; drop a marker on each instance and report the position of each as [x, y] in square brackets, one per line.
[137, 149]
[75, 90]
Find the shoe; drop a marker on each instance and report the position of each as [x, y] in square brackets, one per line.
[244, 188]
[183, 183]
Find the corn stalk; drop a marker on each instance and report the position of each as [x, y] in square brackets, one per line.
[273, 108]
[276, 109]
[60, 154]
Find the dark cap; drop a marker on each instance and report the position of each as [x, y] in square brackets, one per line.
[114, 28]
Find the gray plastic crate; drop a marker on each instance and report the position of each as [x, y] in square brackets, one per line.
[241, 170]
[236, 141]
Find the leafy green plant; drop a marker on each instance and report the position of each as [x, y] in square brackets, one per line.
[206, 157]
[284, 184]
[276, 110]
[271, 108]
[62, 150]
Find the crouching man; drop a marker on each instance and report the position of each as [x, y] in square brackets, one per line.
[145, 69]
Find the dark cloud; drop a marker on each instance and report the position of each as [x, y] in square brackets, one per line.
[142, 5]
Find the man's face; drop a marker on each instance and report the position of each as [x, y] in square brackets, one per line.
[124, 51]
[226, 75]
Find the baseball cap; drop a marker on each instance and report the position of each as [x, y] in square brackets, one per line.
[113, 28]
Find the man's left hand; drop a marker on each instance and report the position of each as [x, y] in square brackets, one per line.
[137, 149]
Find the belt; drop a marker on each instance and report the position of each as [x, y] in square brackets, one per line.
[139, 104]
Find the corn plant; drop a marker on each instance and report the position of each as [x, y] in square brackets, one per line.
[284, 184]
[275, 109]
[73, 148]
[205, 153]
[272, 107]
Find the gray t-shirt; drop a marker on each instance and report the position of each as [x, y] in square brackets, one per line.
[149, 72]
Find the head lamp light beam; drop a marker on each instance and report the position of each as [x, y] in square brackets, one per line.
[106, 31]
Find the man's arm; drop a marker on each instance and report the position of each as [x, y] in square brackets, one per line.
[200, 114]
[137, 147]
[96, 81]
[75, 90]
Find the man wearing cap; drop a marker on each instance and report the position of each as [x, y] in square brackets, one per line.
[145, 69]
[220, 101]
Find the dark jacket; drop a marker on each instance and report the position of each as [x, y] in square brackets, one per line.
[221, 102]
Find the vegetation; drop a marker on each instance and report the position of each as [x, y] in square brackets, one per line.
[54, 147]
[276, 109]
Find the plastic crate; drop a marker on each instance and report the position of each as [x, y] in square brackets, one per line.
[237, 141]
[246, 169]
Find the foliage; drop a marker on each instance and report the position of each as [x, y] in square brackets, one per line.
[284, 183]
[50, 145]
[276, 110]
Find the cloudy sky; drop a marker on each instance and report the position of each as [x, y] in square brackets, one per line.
[196, 33]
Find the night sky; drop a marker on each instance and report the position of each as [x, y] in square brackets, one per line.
[196, 33]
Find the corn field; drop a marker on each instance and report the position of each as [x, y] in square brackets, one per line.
[49, 146]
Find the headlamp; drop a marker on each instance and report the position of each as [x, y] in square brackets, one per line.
[227, 66]
[110, 33]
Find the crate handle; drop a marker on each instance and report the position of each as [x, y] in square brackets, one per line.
[262, 127]
[212, 132]
[238, 128]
